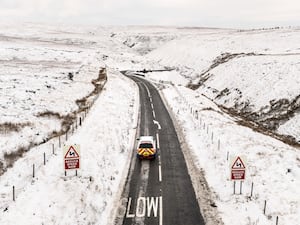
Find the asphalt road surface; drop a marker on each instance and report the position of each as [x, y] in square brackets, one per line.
[158, 191]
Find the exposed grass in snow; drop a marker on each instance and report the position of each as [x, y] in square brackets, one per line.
[8, 127]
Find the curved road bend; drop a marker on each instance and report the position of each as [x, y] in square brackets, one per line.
[160, 191]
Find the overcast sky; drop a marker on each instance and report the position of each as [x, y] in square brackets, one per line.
[209, 13]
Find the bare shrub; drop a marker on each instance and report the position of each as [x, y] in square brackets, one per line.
[49, 114]
[1, 168]
[81, 103]
[8, 127]
[11, 157]
[66, 121]
[98, 86]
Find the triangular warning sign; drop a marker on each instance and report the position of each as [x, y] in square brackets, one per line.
[238, 164]
[71, 153]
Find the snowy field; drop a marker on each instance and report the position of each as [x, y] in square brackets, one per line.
[106, 143]
[41, 75]
[47, 69]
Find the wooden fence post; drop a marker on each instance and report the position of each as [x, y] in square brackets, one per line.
[14, 195]
[33, 170]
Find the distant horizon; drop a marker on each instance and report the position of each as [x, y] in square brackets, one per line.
[230, 14]
[48, 23]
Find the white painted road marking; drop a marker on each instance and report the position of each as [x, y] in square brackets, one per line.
[160, 211]
[145, 207]
[146, 89]
[159, 169]
[141, 207]
[157, 123]
[153, 114]
[157, 141]
[151, 204]
[159, 173]
[128, 215]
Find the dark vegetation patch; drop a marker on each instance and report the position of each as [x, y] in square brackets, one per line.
[11, 157]
[263, 127]
[269, 117]
[277, 113]
[9, 127]
[266, 120]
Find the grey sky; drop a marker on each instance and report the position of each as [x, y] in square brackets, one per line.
[213, 13]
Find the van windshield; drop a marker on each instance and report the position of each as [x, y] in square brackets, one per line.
[146, 145]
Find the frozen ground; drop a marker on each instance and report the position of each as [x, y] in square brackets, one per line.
[47, 68]
[41, 75]
[105, 140]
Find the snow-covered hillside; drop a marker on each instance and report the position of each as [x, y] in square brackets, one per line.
[218, 84]
[44, 76]
[254, 73]
[52, 78]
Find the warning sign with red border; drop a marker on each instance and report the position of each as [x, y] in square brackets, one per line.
[238, 169]
[72, 157]
[238, 164]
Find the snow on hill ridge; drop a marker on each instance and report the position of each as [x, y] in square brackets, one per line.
[255, 73]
